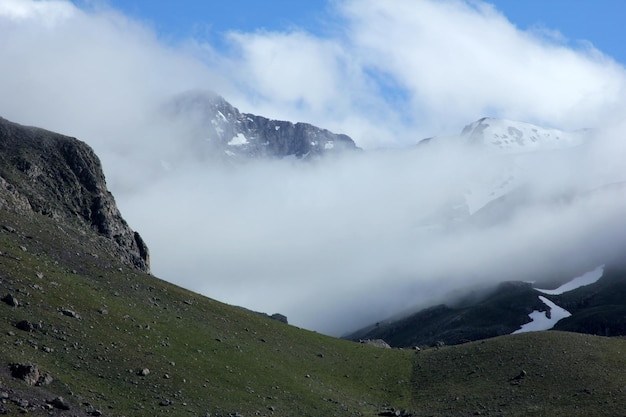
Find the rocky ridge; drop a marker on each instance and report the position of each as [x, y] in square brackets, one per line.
[219, 130]
[46, 173]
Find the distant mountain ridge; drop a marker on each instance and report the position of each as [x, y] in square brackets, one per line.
[222, 131]
[595, 307]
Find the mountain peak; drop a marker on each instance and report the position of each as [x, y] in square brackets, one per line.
[221, 130]
[508, 136]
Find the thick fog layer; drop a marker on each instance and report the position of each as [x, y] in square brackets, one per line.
[340, 243]
[336, 243]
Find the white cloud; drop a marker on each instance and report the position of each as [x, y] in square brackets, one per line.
[46, 12]
[461, 61]
[340, 242]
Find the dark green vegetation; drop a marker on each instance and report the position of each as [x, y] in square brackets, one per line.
[532, 374]
[207, 357]
[203, 356]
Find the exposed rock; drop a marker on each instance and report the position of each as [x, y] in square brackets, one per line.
[276, 316]
[26, 326]
[519, 376]
[61, 177]
[11, 300]
[70, 313]
[144, 372]
[392, 412]
[218, 128]
[380, 343]
[279, 317]
[60, 403]
[30, 374]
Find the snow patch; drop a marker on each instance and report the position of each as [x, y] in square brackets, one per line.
[587, 278]
[540, 320]
[329, 145]
[238, 140]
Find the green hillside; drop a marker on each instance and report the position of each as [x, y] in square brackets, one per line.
[203, 357]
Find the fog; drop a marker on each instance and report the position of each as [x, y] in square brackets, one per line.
[342, 242]
[336, 243]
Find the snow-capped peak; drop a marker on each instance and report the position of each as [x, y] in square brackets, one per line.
[508, 136]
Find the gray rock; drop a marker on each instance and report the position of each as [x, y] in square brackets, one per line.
[11, 300]
[61, 177]
[60, 403]
[27, 372]
[30, 374]
[70, 313]
[279, 317]
[380, 343]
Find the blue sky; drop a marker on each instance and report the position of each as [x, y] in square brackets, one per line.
[599, 22]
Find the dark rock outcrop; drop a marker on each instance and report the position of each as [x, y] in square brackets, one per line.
[30, 374]
[61, 177]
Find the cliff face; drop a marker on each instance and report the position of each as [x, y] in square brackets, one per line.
[61, 177]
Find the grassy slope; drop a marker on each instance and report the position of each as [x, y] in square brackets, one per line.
[567, 374]
[219, 359]
[222, 359]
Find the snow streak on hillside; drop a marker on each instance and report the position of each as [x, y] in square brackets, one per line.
[546, 320]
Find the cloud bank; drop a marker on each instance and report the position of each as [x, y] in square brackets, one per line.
[338, 243]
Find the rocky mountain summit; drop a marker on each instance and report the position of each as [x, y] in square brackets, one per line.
[61, 177]
[218, 129]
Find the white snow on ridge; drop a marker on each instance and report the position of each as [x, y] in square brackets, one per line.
[539, 319]
[508, 136]
[587, 278]
[329, 145]
[238, 140]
